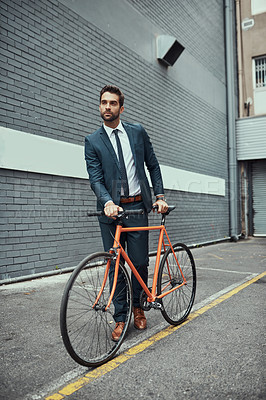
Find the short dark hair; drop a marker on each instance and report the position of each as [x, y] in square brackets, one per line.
[113, 89]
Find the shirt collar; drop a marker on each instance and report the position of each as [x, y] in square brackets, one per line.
[110, 130]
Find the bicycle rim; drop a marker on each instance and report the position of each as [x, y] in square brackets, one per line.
[86, 330]
[177, 304]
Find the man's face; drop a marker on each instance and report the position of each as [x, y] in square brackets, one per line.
[110, 108]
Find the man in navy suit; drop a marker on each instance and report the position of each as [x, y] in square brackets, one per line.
[115, 155]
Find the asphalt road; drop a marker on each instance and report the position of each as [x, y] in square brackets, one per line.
[218, 354]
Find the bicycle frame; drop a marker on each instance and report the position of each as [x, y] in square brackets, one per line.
[118, 251]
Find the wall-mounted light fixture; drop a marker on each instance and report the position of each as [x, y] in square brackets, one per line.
[168, 49]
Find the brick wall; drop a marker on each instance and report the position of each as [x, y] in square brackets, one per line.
[197, 25]
[54, 63]
[44, 225]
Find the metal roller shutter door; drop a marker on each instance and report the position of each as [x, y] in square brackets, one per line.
[259, 197]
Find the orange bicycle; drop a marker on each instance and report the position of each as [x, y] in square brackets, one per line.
[87, 309]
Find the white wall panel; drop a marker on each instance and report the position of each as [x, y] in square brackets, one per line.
[33, 153]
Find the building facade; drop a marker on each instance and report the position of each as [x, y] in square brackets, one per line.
[251, 124]
[56, 56]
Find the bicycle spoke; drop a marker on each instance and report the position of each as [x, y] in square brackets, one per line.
[177, 270]
[86, 328]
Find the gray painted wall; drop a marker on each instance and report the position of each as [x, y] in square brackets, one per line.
[251, 138]
[56, 56]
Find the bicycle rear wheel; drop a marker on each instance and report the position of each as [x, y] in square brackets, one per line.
[177, 304]
[86, 330]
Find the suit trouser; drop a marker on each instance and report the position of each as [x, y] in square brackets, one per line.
[137, 248]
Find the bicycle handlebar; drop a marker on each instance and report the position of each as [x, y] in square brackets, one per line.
[170, 208]
[120, 214]
[124, 213]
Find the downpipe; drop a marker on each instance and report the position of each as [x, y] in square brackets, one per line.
[230, 99]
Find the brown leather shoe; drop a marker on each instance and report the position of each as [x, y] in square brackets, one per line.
[140, 321]
[117, 332]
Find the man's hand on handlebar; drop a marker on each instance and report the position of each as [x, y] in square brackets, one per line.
[161, 206]
[111, 210]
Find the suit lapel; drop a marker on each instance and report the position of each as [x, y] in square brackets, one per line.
[109, 145]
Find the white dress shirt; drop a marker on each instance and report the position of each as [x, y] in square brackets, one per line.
[133, 182]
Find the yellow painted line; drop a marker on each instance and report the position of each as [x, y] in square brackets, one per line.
[214, 255]
[117, 361]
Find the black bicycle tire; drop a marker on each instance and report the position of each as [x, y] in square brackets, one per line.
[64, 308]
[181, 316]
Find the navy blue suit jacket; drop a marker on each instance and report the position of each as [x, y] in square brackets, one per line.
[103, 166]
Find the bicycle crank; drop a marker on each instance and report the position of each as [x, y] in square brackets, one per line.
[146, 305]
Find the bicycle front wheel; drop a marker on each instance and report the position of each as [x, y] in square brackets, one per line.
[177, 268]
[86, 327]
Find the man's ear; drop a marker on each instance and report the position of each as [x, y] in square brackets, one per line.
[121, 109]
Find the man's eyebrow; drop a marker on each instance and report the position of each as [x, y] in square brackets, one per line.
[111, 101]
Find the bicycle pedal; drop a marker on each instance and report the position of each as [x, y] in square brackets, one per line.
[156, 305]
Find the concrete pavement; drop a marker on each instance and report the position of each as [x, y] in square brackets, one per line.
[228, 337]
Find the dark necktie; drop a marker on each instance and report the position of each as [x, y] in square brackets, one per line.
[124, 182]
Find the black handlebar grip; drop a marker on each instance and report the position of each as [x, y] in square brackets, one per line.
[121, 213]
[95, 214]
